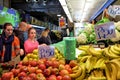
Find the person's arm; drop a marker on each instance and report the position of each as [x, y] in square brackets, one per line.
[17, 45]
[26, 46]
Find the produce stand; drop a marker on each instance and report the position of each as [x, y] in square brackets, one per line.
[93, 60]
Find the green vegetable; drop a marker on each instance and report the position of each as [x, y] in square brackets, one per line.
[92, 38]
[82, 38]
[104, 20]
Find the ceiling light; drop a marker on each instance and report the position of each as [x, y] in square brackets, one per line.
[65, 8]
[58, 15]
[32, 0]
[62, 2]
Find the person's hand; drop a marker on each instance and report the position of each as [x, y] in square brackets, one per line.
[44, 44]
[21, 52]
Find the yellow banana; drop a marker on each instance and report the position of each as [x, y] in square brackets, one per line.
[83, 53]
[94, 52]
[109, 54]
[100, 63]
[84, 59]
[75, 68]
[114, 72]
[117, 48]
[84, 48]
[97, 78]
[90, 62]
[116, 62]
[96, 74]
[113, 54]
[83, 74]
[118, 74]
[114, 50]
[101, 73]
[108, 71]
[77, 74]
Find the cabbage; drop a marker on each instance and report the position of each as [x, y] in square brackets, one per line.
[88, 28]
[92, 38]
[82, 38]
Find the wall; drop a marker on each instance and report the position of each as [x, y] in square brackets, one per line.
[5, 3]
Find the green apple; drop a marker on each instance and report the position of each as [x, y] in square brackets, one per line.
[35, 56]
[35, 51]
[29, 55]
[30, 59]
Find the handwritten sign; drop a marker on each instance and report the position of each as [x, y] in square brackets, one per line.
[45, 51]
[111, 12]
[114, 10]
[105, 31]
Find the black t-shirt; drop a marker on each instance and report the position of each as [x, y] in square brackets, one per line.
[45, 40]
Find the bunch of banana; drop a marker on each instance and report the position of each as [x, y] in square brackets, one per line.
[83, 59]
[97, 78]
[95, 52]
[83, 72]
[58, 55]
[98, 73]
[90, 50]
[107, 60]
[110, 52]
[116, 49]
[111, 71]
[116, 62]
[90, 62]
[84, 48]
[100, 63]
[77, 71]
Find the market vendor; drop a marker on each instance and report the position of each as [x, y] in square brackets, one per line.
[45, 38]
[9, 44]
[31, 43]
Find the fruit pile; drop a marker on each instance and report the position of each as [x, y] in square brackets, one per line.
[44, 69]
[35, 56]
[91, 64]
[58, 54]
[100, 64]
[32, 56]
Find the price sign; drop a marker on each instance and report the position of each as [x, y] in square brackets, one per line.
[111, 12]
[116, 9]
[105, 31]
[45, 51]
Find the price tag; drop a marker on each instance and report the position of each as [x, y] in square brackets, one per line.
[45, 51]
[105, 31]
[111, 12]
[116, 9]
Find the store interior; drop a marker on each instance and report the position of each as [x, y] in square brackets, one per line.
[85, 40]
